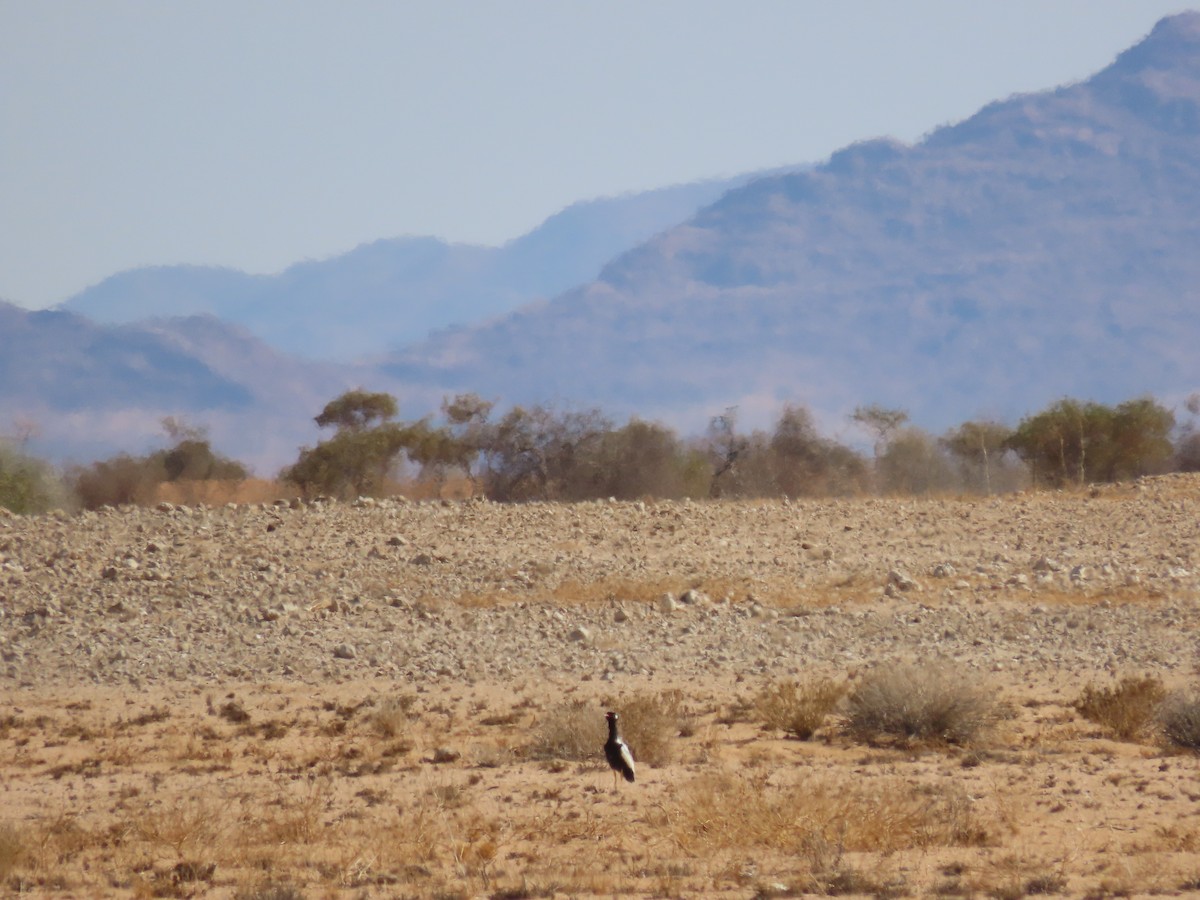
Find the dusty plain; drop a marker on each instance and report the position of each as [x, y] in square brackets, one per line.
[402, 699]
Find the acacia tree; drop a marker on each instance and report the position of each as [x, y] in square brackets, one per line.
[978, 445]
[725, 448]
[806, 464]
[914, 463]
[362, 451]
[1187, 448]
[646, 459]
[880, 420]
[27, 484]
[540, 454]
[191, 457]
[1139, 441]
[1074, 442]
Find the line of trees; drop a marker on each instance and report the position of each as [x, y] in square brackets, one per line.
[29, 485]
[540, 453]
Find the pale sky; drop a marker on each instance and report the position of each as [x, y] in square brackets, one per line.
[254, 134]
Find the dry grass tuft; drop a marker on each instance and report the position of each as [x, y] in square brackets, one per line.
[576, 731]
[1127, 709]
[649, 724]
[569, 731]
[817, 819]
[394, 715]
[1179, 718]
[919, 703]
[12, 851]
[797, 709]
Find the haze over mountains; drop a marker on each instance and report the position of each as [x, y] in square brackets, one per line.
[391, 292]
[1046, 246]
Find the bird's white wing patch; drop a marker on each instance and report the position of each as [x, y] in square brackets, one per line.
[626, 754]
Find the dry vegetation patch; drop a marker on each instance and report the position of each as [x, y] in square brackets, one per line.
[330, 808]
[795, 708]
[576, 731]
[1127, 709]
[929, 703]
[1180, 719]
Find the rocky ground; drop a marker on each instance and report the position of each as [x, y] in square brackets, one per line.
[480, 590]
[466, 610]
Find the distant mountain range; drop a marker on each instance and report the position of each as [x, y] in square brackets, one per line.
[389, 293]
[1046, 246]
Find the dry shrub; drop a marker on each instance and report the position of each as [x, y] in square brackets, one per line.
[817, 818]
[1013, 875]
[189, 826]
[1127, 708]
[393, 715]
[797, 709]
[577, 731]
[919, 703]
[1179, 718]
[571, 731]
[649, 724]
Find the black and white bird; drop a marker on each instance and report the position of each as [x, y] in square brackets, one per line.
[617, 752]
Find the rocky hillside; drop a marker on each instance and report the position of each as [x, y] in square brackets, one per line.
[90, 390]
[1043, 247]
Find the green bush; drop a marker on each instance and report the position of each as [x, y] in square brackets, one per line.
[124, 479]
[119, 481]
[28, 485]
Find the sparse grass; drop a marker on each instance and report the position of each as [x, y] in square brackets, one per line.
[269, 890]
[798, 709]
[1127, 709]
[919, 704]
[818, 818]
[1179, 718]
[12, 851]
[324, 813]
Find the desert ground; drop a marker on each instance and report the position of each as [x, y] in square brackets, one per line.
[406, 699]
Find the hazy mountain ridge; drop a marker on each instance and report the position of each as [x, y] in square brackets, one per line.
[1045, 246]
[90, 390]
[390, 292]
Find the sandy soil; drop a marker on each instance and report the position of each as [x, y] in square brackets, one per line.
[400, 699]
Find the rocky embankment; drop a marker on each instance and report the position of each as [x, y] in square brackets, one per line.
[1101, 579]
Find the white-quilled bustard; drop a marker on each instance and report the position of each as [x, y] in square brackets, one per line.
[617, 752]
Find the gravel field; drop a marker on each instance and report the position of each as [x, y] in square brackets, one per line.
[1107, 578]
